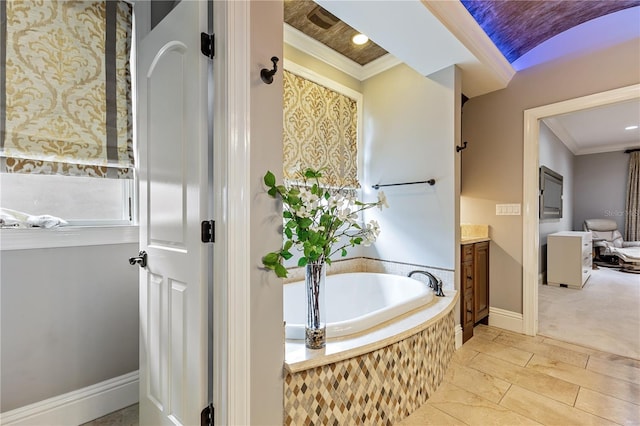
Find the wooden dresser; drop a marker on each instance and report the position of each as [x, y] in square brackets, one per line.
[474, 286]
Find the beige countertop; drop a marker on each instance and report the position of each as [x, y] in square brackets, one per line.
[470, 233]
[472, 240]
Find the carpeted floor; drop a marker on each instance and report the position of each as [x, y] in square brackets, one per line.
[604, 315]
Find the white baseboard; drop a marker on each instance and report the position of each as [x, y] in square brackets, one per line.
[458, 334]
[504, 319]
[79, 406]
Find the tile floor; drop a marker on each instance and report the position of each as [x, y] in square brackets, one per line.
[503, 378]
[126, 417]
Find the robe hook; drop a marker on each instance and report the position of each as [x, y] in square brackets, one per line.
[460, 148]
[267, 75]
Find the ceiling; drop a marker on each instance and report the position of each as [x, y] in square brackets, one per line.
[597, 130]
[316, 22]
[489, 41]
[514, 27]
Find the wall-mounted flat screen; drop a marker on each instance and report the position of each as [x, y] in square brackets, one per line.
[550, 194]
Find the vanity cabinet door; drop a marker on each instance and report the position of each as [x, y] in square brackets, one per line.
[466, 306]
[474, 287]
[481, 281]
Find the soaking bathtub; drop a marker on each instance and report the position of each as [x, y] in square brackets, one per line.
[355, 302]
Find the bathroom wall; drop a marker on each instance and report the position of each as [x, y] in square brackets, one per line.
[68, 318]
[492, 163]
[410, 134]
[557, 157]
[411, 125]
[266, 342]
[600, 187]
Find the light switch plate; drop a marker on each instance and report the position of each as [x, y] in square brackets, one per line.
[508, 209]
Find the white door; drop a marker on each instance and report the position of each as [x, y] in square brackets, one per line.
[172, 105]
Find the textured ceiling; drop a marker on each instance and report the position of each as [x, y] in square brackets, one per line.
[337, 37]
[516, 27]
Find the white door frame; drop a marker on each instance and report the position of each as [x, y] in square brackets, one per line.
[231, 293]
[530, 243]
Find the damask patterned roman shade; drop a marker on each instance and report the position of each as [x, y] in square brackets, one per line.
[320, 131]
[66, 87]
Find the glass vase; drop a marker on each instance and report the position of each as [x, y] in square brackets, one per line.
[315, 331]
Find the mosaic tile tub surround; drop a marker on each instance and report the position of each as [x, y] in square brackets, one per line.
[379, 387]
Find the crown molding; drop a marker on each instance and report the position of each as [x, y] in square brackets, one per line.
[559, 130]
[457, 19]
[312, 47]
[565, 137]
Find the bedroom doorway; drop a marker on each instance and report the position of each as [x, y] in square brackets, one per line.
[531, 164]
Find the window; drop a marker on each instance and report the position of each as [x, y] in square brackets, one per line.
[66, 114]
[321, 127]
[79, 200]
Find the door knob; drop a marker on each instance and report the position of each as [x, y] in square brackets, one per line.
[140, 259]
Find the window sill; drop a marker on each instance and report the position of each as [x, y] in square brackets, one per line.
[68, 236]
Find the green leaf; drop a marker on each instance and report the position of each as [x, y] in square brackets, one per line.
[269, 179]
[302, 261]
[281, 271]
[270, 259]
[305, 222]
[310, 174]
[344, 252]
[288, 233]
[357, 240]
[287, 215]
[272, 192]
[286, 255]
[287, 245]
[314, 237]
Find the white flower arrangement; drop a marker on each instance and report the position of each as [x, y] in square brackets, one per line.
[319, 221]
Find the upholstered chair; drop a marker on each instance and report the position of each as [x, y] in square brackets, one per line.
[606, 236]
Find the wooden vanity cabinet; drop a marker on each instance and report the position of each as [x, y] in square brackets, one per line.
[474, 286]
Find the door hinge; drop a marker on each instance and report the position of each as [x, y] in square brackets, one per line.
[208, 231]
[206, 416]
[207, 45]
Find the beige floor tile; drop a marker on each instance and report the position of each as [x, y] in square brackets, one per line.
[428, 415]
[536, 339]
[594, 352]
[463, 355]
[546, 410]
[475, 381]
[608, 385]
[528, 344]
[473, 409]
[608, 407]
[572, 346]
[619, 359]
[500, 351]
[527, 378]
[485, 332]
[614, 369]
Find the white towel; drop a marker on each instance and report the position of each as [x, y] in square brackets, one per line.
[11, 217]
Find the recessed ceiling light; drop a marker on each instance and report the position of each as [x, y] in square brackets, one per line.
[631, 127]
[359, 39]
